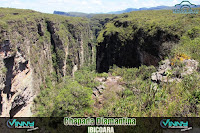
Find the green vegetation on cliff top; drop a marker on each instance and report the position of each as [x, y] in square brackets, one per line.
[7, 14]
[141, 96]
[73, 96]
[150, 21]
[184, 26]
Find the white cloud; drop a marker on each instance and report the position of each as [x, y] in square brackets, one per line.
[98, 2]
[84, 3]
[87, 6]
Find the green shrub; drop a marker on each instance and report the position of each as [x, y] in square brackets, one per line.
[86, 78]
[4, 70]
[68, 98]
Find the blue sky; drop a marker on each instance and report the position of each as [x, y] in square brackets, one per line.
[87, 6]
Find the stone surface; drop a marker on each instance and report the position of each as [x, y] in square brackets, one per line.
[110, 84]
[189, 66]
[31, 51]
[18, 84]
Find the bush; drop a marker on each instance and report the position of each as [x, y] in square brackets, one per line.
[142, 97]
[68, 98]
[4, 70]
[194, 32]
[86, 78]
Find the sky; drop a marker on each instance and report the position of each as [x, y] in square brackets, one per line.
[86, 6]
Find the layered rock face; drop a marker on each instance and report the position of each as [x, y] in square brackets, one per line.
[34, 48]
[141, 49]
[17, 84]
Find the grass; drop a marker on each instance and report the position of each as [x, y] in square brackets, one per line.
[150, 22]
[142, 97]
[72, 96]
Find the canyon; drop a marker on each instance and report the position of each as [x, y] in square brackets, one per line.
[31, 50]
[35, 46]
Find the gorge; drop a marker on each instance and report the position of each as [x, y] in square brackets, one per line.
[36, 46]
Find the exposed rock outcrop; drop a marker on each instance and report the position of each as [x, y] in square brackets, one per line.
[34, 48]
[141, 49]
[110, 85]
[16, 93]
[169, 73]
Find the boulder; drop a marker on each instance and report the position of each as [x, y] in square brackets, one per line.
[166, 73]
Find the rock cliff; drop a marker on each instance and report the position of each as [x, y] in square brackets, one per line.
[140, 48]
[34, 46]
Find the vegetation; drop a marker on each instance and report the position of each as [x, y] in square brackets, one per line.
[4, 70]
[74, 14]
[189, 46]
[97, 22]
[68, 98]
[72, 96]
[150, 21]
[142, 97]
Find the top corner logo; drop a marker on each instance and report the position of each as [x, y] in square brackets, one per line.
[167, 123]
[13, 123]
[185, 7]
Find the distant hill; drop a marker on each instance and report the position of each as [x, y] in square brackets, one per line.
[144, 8]
[74, 14]
[89, 15]
[140, 9]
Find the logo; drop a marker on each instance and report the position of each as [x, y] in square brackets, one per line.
[185, 7]
[13, 123]
[167, 123]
